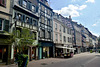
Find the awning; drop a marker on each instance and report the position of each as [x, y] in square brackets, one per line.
[64, 47]
[61, 47]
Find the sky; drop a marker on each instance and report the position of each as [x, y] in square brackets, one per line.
[85, 12]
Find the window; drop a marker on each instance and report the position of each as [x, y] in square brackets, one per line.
[24, 18]
[64, 29]
[64, 39]
[48, 22]
[67, 31]
[42, 8]
[34, 35]
[33, 8]
[3, 3]
[4, 25]
[27, 20]
[60, 27]
[29, 5]
[68, 39]
[34, 23]
[1, 24]
[19, 17]
[60, 37]
[56, 37]
[49, 35]
[42, 33]
[24, 3]
[42, 19]
[55, 26]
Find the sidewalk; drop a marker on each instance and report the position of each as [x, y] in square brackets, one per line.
[47, 61]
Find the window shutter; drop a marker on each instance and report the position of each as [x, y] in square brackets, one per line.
[30, 6]
[20, 2]
[27, 5]
[36, 9]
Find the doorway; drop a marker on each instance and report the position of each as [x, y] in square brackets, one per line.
[3, 54]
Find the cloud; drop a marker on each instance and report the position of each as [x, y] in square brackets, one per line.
[90, 1]
[96, 24]
[72, 10]
[96, 34]
[75, 0]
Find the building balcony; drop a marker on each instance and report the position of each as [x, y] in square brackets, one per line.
[21, 24]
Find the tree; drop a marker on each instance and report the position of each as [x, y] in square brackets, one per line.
[23, 37]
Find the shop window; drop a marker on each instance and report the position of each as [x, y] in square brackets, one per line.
[3, 3]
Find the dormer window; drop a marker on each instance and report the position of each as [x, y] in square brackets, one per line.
[24, 3]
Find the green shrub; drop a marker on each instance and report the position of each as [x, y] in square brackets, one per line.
[91, 51]
[22, 60]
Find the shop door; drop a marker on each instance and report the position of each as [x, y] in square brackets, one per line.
[0, 54]
[3, 55]
[33, 53]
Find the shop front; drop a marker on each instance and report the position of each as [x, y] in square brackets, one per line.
[45, 50]
[5, 49]
[63, 51]
[3, 53]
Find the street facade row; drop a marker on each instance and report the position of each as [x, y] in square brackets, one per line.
[53, 34]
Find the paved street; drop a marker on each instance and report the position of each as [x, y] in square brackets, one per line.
[82, 60]
[79, 60]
